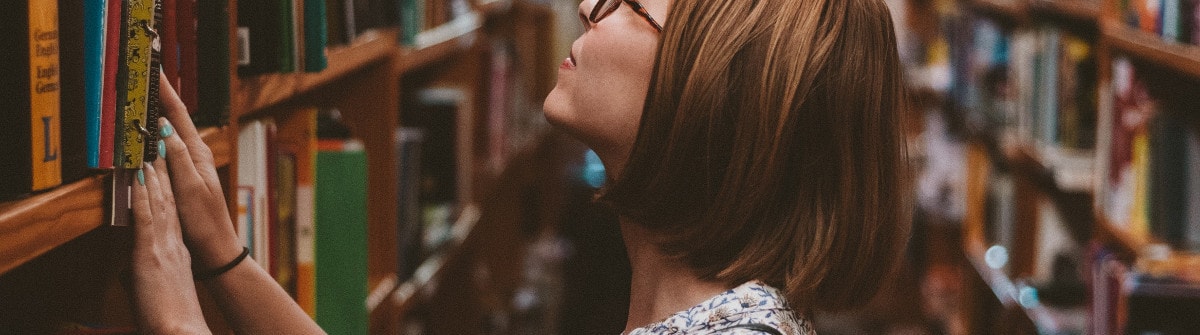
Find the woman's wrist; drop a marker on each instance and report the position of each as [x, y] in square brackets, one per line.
[216, 254]
[210, 273]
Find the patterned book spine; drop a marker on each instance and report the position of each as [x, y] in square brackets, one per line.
[139, 35]
[153, 107]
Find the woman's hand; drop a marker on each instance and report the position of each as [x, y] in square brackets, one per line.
[207, 227]
[162, 276]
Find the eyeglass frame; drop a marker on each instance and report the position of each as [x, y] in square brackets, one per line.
[637, 7]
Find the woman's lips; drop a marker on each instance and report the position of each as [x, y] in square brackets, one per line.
[569, 63]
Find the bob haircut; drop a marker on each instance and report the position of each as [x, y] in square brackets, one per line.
[771, 147]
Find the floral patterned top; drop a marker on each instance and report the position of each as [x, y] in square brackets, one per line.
[751, 303]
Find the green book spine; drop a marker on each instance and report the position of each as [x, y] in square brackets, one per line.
[316, 35]
[287, 48]
[341, 237]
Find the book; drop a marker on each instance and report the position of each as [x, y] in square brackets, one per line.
[297, 142]
[1168, 179]
[76, 120]
[253, 188]
[186, 33]
[412, 19]
[335, 22]
[213, 65]
[341, 236]
[137, 125]
[438, 111]
[1192, 234]
[315, 36]
[95, 14]
[30, 80]
[114, 25]
[265, 37]
[168, 34]
[408, 143]
[1077, 105]
[1132, 108]
[1169, 17]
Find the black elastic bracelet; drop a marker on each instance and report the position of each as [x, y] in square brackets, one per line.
[206, 275]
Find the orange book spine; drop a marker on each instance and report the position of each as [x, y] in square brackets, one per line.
[44, 93]
[299, 131]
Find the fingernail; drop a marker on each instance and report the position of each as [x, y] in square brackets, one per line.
[162, 149]
[166, 130]
[141, 177]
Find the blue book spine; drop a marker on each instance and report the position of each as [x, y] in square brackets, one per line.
[1169, 16]
[94, 14]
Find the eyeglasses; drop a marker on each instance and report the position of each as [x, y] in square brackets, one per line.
[605, 7]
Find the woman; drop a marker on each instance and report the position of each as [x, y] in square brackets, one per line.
[754, 152]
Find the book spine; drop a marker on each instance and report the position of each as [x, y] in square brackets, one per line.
[169, 38]
[108, 108]
[1169, 17]
[411, 21]
[334, 25]
[287, 37]
[1168, 174]
[74, 110]
[341, 237]
[44, 93]
[153, 105]
[252, 180]
[94, 15]
[213, 67]
[186, 34]
[315, 36]
[302, 126]
[1192, 242]
[138, 36]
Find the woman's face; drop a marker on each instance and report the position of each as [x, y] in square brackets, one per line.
[602, 85]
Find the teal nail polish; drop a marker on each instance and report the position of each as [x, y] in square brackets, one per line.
[141, 177]
[162, 149]
[166, 130]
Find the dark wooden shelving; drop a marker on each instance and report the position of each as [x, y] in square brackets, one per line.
[32, 226]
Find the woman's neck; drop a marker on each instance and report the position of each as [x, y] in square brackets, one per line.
[660, 286]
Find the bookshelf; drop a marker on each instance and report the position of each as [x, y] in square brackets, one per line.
[1011, 155]
[364, 80]
[1177, 57]
[34, 225]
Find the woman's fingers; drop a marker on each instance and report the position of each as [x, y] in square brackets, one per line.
[140, 199]
[178, 157]
[177, 113]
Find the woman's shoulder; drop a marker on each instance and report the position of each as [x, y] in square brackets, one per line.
[751, 308]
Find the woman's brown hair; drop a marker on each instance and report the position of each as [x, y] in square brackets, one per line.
[771, 147]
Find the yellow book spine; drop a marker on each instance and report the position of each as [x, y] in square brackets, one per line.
[140, 34]
[44, 93]
[1139, 224]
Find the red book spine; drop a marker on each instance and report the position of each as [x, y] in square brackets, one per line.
[186, 34]
[170, 43]
[108, 107]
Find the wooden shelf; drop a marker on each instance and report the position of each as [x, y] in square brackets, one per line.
[32, 226]
[257, 92]
[1009, 292]
[427, 275]
[438, 43]
[1082, 10]
[1014, 10]
[1136, 43]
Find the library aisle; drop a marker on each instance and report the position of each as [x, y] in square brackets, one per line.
[388, 163]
